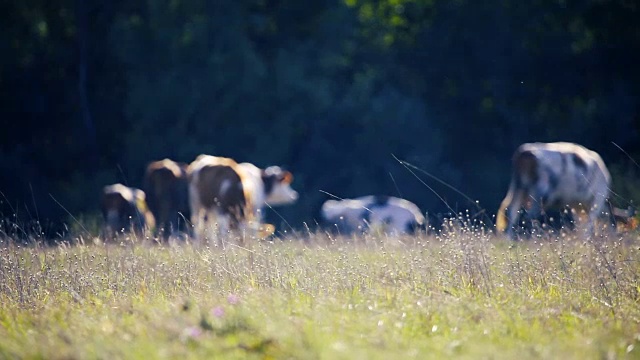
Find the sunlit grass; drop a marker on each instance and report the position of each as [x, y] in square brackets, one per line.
[460, 294]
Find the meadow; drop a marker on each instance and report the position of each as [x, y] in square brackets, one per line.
[463, 293]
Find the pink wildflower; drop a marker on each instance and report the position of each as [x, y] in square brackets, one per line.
[233, 299]
[217, 311]
[192, 332]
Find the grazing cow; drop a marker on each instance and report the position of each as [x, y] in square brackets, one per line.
[386, 213]
[124, 208]
[166, 187]
[232, 195]
[553, 176]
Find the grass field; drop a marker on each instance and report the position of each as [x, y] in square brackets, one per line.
[463, 294]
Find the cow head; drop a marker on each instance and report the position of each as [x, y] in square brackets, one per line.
[277, 186]
[346, 215]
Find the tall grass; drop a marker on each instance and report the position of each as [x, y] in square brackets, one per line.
[460, 293]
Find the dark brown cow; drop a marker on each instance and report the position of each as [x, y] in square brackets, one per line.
[231, 196]
[124, 209]
[167, 187]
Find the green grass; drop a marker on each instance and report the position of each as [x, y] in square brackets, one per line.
[460, 295]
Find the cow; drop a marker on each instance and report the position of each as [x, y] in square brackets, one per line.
[552, 176]
[231, 196]
[388, 214]
[124, 209]
[166, 186]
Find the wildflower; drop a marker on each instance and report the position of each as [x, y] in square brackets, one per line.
[190, 333]
[233, 299]
[217, 311]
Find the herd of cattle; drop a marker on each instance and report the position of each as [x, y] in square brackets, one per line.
[214, 195]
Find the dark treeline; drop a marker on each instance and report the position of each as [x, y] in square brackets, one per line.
[332, 89]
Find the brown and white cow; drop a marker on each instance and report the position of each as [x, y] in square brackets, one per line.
[388, 214]
[231, 196]
[552, 176]
[124, 209]
[167, 191]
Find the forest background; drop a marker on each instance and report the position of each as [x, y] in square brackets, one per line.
[91, 91]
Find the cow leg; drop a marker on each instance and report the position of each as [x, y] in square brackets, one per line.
[534, 211]
[594, 225]
[251, 223]
[202, 221]
[220, 227]
[512, 205]
[166, 220]
[613, 222]
[240, 223]
[513, 214]
[182, 225]
[506, 212]
[197, 212]
[198, 219]
[596, 212]
[175, 221]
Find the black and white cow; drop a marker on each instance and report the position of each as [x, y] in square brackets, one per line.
[388, 214]
[555, 176]
[231, 196]
[124, 209]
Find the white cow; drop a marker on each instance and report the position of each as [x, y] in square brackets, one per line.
[552, 176]
[386, 213]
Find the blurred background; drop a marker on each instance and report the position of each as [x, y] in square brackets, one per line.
[91, 91]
